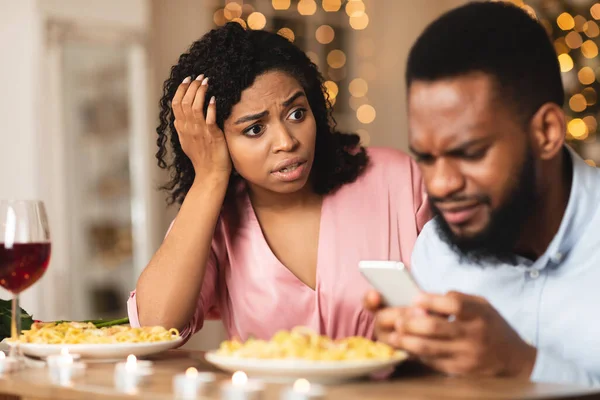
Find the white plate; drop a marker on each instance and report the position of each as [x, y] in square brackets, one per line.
[288, 370]
[100, 352]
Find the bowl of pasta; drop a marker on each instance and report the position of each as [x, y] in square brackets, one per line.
[92, 342]
[301, 353]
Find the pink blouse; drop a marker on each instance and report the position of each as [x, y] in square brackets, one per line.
[377, 217]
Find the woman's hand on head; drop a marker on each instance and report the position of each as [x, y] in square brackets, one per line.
[201, 139]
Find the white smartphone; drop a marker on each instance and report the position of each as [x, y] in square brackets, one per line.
[392, 280]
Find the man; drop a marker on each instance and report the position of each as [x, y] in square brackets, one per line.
[510, 265]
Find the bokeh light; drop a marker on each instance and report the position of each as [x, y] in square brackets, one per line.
[566, 62]
[358, 87]
[336, 58]
[578, 129]
[586, 76]
[232, 10]
[307, 7]
[589, 49]
[281, 4]
[324, 34]
[332, 5]
[359, 21]
[577, 102]
[565, 21]
[257, 20]
[366, 114]
[287, 33]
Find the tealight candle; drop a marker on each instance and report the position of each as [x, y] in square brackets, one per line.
[189, 385]
[241, 388]
[132, 373]
[303, 390]
[7, 364]
[63, 367]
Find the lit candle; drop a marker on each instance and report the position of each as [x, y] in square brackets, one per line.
[191, 384]
[132, 373]
[241, 388]
[7, 364]
[63, 367]
[303, 390]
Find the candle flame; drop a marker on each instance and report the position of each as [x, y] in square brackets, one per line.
[191, 372]
[131, 363]
[239, 378]
[302, 386]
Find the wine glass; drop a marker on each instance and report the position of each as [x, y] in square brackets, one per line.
[24, 255]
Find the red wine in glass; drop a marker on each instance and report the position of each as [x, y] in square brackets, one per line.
[24, 256]
[22, 265]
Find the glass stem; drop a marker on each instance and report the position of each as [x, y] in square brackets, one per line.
[15, 326]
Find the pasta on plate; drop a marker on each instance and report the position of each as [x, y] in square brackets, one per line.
[87, 333]
[305, 344]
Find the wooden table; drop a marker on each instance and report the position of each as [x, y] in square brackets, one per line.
[411, 384]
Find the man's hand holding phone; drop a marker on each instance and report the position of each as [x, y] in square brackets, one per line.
[454, 333]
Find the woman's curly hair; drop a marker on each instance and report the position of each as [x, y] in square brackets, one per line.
[232, 58]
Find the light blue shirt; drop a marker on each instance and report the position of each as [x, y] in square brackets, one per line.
[554, 302]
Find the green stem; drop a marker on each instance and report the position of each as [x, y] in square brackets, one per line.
[121, 321]
[101, 323]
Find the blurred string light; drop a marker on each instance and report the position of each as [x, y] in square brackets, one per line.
[586, 76]
[219, 17]
[336, 58]
[589, 49]
[232, 10]
[358, 87]
[359, 22]
[332, 5]
[573, 40]
[251, 17]
[575, 33]
[577, 102]
[314, 57]
[366, 114]
[307, 7]
[595, 11]
[579, 22]
[332, 88]
[324, 34]
[355, 7]
[241, 22]
[566, 62]
[565, 21]
[287, 33]
[281, 4]
[247, 8]
[591, 122]
[560, 45]
[257, 20]
[591, 29]
[578, 129]
[590, 96]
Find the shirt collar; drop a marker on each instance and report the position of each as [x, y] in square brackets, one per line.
[583, 199]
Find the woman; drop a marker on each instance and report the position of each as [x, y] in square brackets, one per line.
[277, 208]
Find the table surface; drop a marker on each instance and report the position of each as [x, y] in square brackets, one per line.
[410, 384]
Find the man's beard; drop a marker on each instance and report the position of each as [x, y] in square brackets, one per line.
[495, 244]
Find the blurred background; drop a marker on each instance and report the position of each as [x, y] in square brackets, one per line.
[80, 85]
